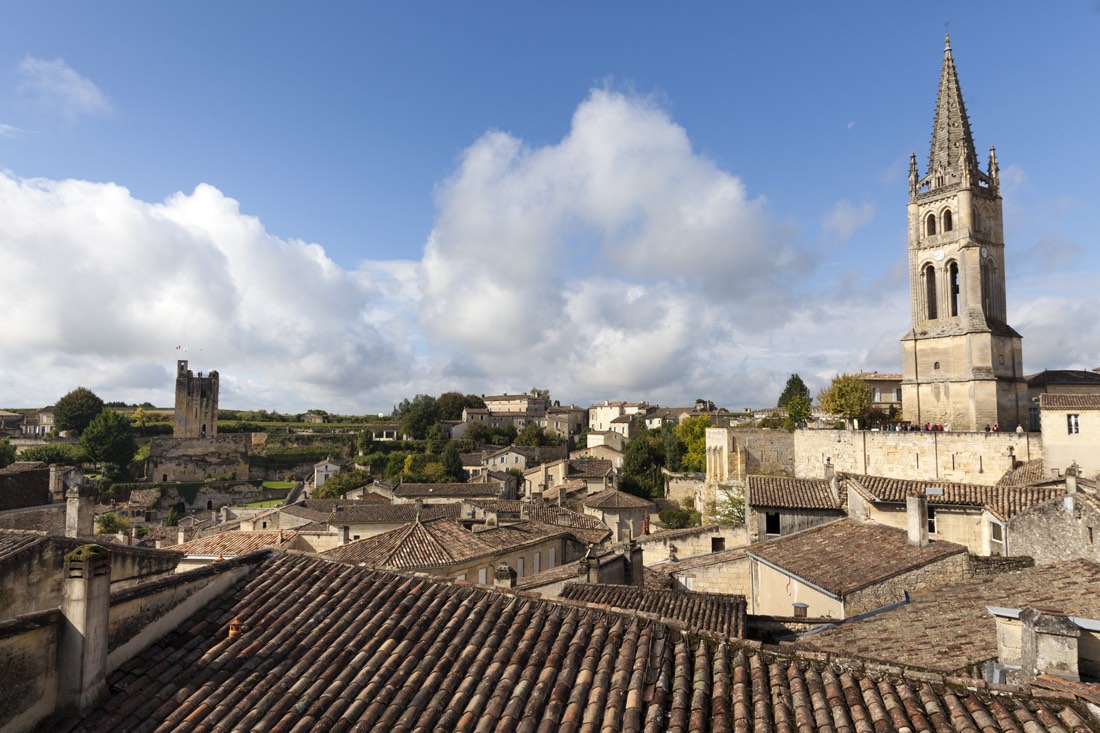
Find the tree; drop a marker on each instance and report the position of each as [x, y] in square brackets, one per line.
[109, 438]
[693, 433]
[642, 460]
[418, 416]
[532, 435]
[451, 404]
[729, 505]
[799, 411]
[364, 441]
[337, 486]
[452, 462]
[111, 524]
[173, 518]
[795, 388]
[139, 418]
[59, 453]
[7, 453]
[674, 447]
[848, 397]
[76, 410]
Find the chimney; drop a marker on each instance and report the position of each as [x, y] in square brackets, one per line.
[57, 483]
[1048, 643]
[82, 648]
[181, 536]
[672, 553]
[79, 512]
[916, 511]
[504, 576]
[834, 487]
[1071, 478]
[800, 609]
[635, 567]
[524, 511]
[830, 470]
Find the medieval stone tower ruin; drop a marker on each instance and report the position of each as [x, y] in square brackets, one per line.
[196, 403]
[961, 362]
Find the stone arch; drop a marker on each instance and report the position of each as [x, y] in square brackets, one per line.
[930, 225]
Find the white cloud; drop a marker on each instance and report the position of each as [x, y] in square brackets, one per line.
[103, 287]
[57, 87]
[9, 130]
[845, 219]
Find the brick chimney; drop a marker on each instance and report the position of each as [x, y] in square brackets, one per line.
[80, 511]
[916, 515]
[1048, 643]
[82, 648]
[504, 576]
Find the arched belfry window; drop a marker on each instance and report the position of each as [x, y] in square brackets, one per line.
[929, 275]
[930, 225]
[948, 225]
[953, 289]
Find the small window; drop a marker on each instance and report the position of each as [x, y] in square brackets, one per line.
[930, 225]
[553, 556]
[263, 525]
[947, 224]
[687, 581]
[1090, 535]
[1073, 424]
[717, 544]
[931, 520]
[482, 575]
[537, 565]
[936, 366]
[460, 576]
[771, 523]
[519, 567]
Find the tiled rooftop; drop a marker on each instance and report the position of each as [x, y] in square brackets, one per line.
[458, 491]
[357, 512]
[950, 630]
[14, 541]
[1027, 473]
[588, 468]
[586, 528]
[791, 493]
[329, 647]
[1004, 502]
[845, 555]
[716, 612]
[439, 543]
[615, 499]
[235, 542]
[1049, 401]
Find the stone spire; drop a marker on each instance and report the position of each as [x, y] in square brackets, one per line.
[952, 141]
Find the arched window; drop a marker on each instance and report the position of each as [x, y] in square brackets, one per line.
[936, 366]
[947, 224]
[930, 225]
[930, 292]
[952, 287]
[987, 286]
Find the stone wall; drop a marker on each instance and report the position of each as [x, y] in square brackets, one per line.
[978, 458]
[28, 669]
[988, 565]
[33, 577]
[917, 581]
[683, 487]
[684, 543]
[196, 459]
[1073, 521]
[722, 576]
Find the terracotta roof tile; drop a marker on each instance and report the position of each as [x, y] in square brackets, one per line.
[1004, 502]
[586, 528]
[458, 491]
[1049, 401]
[845, 555]
[235, 542]
[615, 499]
[354, 512]
[950, 630]
[792, 493]
[338, 648]
[721, 613]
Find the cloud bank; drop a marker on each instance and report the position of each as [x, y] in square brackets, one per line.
[617, 263]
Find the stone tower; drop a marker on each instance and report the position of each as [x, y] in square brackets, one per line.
[196, 403]
[961, 362]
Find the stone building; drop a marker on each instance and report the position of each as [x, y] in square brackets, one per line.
[961, 361]
[196, 413]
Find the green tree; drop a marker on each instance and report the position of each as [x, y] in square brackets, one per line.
[642, 460]
[847, 397]
[111, 524]
[452, 462]
[173, 518]
[337, 486]
[795, 388]
[674, 447]
[139, 418]
[364, 441]
[109, 438]
[799, 411]
[7, 453]
[693, 433]
[729, 505]
[532, 435]
[57, 453]
[418, 416]
[76, 410]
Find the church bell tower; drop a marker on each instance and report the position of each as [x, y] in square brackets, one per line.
[961, 362]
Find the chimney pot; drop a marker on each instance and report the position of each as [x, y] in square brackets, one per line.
[916, 510]
[800, 609]
[82, 648]
[504, 576]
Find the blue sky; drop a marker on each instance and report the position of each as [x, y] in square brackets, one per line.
[344, 205]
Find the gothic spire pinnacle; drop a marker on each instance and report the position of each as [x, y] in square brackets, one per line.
[952, 141]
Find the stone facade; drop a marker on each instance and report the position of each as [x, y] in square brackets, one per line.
[1074, 520]
[186, 459]
[962, 364]
[680, 544]
[196, 414]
